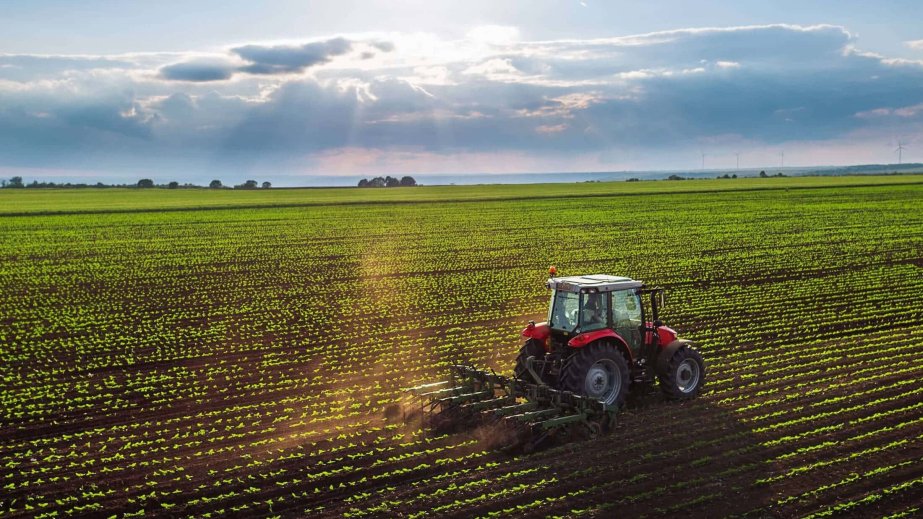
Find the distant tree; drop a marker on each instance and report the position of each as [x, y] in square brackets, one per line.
[392, 182]
[675, 177]
[215, 184]
[408, 181]
[15, 182]
[633, 180]
[266, 185]
[145, 182]
[377, 182]
[734, 175]
[250, 184]
[100, 184]
[763, 174]
[173, 185]
[780, 174]
[364, 182]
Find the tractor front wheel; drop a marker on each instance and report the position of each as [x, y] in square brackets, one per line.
[599, 371]
[683, 375]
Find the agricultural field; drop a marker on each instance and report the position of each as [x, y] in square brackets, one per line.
[209, 354]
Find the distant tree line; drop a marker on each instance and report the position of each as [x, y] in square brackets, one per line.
[17, 182]
[388, 181]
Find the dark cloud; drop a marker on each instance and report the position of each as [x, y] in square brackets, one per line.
[262, 60]
[283, 59]
[384, 46]
[197, 71]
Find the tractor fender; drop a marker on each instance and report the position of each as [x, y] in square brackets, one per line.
[667, 352]
[586, 338]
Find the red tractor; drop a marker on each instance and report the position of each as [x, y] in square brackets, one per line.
[599, 338]
[574, 370]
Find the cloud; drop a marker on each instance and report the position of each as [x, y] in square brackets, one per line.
[265, 60]
[197, 71]
[662, 95]
[903, 111]
[493, 34]
[283, 59]
[384, 46]
[28, 68]
[914, 44]
[495, 69]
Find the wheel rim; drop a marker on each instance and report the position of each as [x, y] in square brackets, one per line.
[603, 381]
[687, 376]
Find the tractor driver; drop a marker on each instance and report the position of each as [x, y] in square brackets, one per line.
[592, 313]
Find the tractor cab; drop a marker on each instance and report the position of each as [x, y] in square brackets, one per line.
[583, 304]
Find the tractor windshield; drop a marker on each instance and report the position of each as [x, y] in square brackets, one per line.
[564, 310]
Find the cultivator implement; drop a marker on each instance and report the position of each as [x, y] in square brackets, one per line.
[532, 412]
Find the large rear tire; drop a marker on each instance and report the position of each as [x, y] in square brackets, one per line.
[683, 375]
[600, 371]
[532, 348]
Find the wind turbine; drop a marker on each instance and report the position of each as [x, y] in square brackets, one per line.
[900, 152]
[703, 161]
[738, 161]
[782, 159]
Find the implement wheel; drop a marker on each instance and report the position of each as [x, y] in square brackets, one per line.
[599, 371]
[683, 376]
[532, 348]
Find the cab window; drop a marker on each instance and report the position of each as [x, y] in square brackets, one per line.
[626, 316]
[594, 311]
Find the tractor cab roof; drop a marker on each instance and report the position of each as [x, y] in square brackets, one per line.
[592, 283]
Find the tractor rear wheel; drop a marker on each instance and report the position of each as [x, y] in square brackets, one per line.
[683, 376]
[532, 348]
[600, 371]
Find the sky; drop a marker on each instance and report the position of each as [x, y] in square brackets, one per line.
[314, 93]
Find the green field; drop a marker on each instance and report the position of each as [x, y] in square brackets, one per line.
[161, 359]
[33, 201]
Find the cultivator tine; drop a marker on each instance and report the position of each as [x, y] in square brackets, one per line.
[465, 397]
[441, 392]
[561, 420]
[493, 403]
[533, 416]
[424, 387]
[515, 409]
